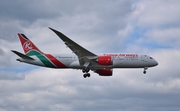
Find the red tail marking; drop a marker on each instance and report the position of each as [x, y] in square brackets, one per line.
[27, 44]
[55, 61]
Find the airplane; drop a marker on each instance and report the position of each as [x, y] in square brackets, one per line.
[82, 59]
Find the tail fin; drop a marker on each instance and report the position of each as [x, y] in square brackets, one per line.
[28, 46]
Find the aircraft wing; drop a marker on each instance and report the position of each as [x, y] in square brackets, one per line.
[83, 54]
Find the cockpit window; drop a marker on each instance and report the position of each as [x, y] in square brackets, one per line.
[151, 58]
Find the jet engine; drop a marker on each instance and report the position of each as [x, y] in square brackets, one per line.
[104, 72]
[104, 60]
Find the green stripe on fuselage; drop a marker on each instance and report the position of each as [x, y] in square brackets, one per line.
[41, 57]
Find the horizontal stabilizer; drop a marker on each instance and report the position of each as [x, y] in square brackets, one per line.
[22, 55]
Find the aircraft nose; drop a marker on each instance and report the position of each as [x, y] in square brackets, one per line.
[155, 63]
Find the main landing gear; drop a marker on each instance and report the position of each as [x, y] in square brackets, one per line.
[86, 75]
[145, 70]
[86, 70]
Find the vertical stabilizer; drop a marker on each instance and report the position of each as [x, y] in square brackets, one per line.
[28, 47]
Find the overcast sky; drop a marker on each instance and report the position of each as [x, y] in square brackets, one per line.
[116, 26]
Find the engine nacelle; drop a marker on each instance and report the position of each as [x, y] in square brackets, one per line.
[104, 72]
[104, 60]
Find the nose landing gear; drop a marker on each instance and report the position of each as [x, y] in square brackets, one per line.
[145, 70]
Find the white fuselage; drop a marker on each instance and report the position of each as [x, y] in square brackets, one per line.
[118, 61]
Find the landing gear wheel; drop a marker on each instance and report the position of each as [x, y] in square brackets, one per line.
[86, 75]
[144, 72]
[85, 70]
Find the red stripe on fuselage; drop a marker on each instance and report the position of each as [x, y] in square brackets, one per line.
[55, 61]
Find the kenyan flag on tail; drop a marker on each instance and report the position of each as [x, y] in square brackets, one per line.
[31, 50]
[28, 47]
